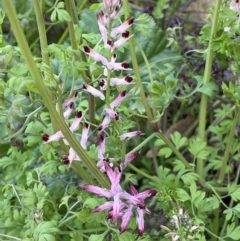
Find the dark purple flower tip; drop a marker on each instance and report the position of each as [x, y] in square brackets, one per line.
[100, 128]
[101, 138]
[65, 160]
[140, 232]
[79, 114]
[71, 105]
[100, 14]
[117, 8]
[110, 43]
[125, 65]
[116, 117]
[123, 93]
[130, 20]
[125, 34]
[86, 125]
[152, 192]
[84, 87]
[101, 83]
[45, 137]
[128, 78]
[87, 49]
[76, 94]
[114, 56]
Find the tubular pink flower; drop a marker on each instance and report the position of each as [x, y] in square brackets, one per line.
[101, 146]
[72, 99]
[103, 207]
[122, 28]
[116, 207]
[112, 114]
[102, 28]
[104, 124]
[127, 80]
[77, 120]
[126, 218]
[140, 221]
[119, 99]
[118, 66]
[49, 138]
[125, 37]
[93, 91]
[96, 56]
[68, 111]
[85, 130]
[97, 190]
[130, 135]
[130, 157]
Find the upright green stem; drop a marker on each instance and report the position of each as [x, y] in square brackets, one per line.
[41, 30]
[206, 79]
[228, 146]
[43, 90]
[136, 70]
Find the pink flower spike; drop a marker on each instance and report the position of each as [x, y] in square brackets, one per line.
[105, 123]
[119, 99]
[93, 91]
[85, 130]
[126, 218]
[96, 56]
[125, 37]
[130, 157]
[122, 28]
[112, 114]
[101, 146]
[55, 137]
[72, 99]
[75, 124]
[97, 190]
[130, 135]
[118, 66]
[68, 111]
[121, 81]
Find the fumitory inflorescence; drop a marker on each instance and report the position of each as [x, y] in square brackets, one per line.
[120, 204]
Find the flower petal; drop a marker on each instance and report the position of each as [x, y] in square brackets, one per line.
[130, 135]
[140, 221]
[112, 114]
[68, 111]
[85, 130]
[55, 137]
[97, 190]
[118, 66]
[122, 28]
[101, 145]
[96, 56]
[121, 81]
[93, 91]
[126, 218]
[130, 157]
[72, 99]
[75, 124]
[119, 99]
[103, 207]
[104, 124]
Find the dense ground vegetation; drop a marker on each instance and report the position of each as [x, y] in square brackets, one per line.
[119, 120]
